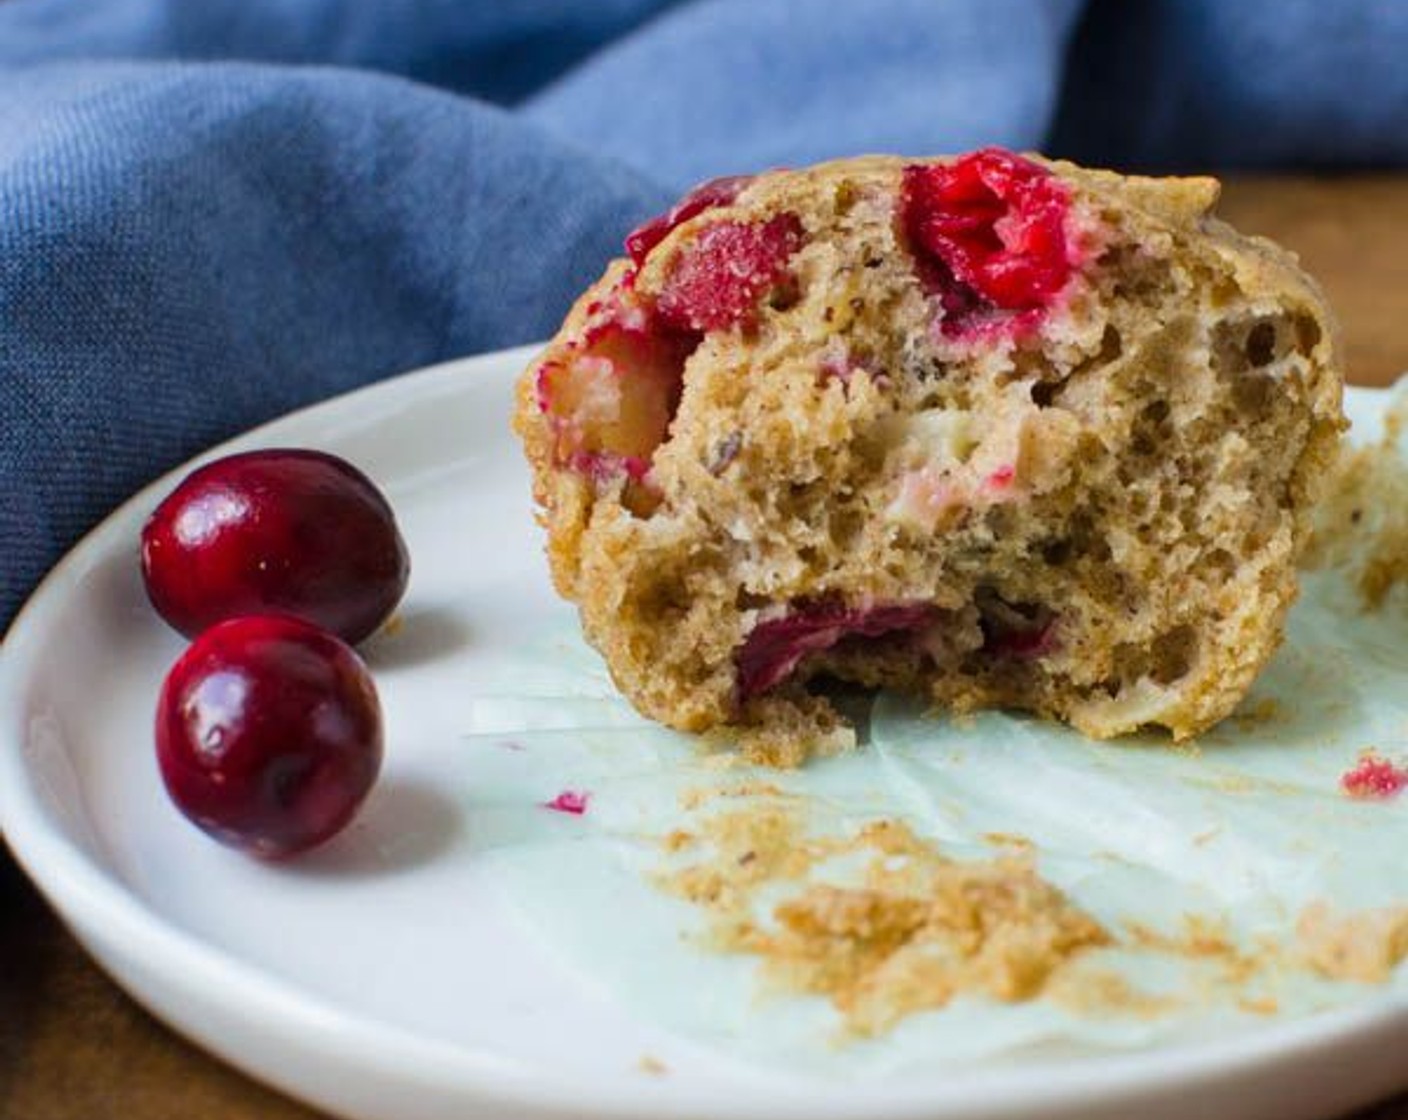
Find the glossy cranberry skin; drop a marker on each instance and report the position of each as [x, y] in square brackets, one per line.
[281, 531]
[988, 231]
[268, 734]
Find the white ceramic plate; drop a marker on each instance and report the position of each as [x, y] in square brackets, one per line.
[387, 975]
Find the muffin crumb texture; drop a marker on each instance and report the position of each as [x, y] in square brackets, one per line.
[993, 430]
[915, 932]
[884, 924]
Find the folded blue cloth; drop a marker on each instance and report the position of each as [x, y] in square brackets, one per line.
[213, 212]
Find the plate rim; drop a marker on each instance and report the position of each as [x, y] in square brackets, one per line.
[89, 896]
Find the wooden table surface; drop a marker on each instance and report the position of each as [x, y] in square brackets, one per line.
[73, 1047]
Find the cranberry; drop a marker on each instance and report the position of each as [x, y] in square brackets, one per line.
[773, 649]
[988, 232]
[717, 280]
[706, 196]
[1374, 778]
[268, 733]
[611, 395]
[282, 531]
[571, 801]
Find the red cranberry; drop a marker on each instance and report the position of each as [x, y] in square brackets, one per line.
[988, 232]
[1374, 778]
[774, 649]
[571, 801]
[283, 531]
[717, 280]
[706, 196]
[268, 733]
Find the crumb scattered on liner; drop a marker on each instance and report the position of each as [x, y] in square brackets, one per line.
[882, 924]
[915, 931]
[1365, 946]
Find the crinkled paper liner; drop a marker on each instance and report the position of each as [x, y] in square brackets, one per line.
[1240, 834]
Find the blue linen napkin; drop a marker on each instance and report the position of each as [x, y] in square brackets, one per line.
[213, 212]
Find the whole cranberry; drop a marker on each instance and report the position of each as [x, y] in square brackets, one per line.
[281, 531]
[268, 733]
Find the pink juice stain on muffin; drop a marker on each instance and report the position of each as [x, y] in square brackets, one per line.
[926, 496]
[988, 232]
[999, 481]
